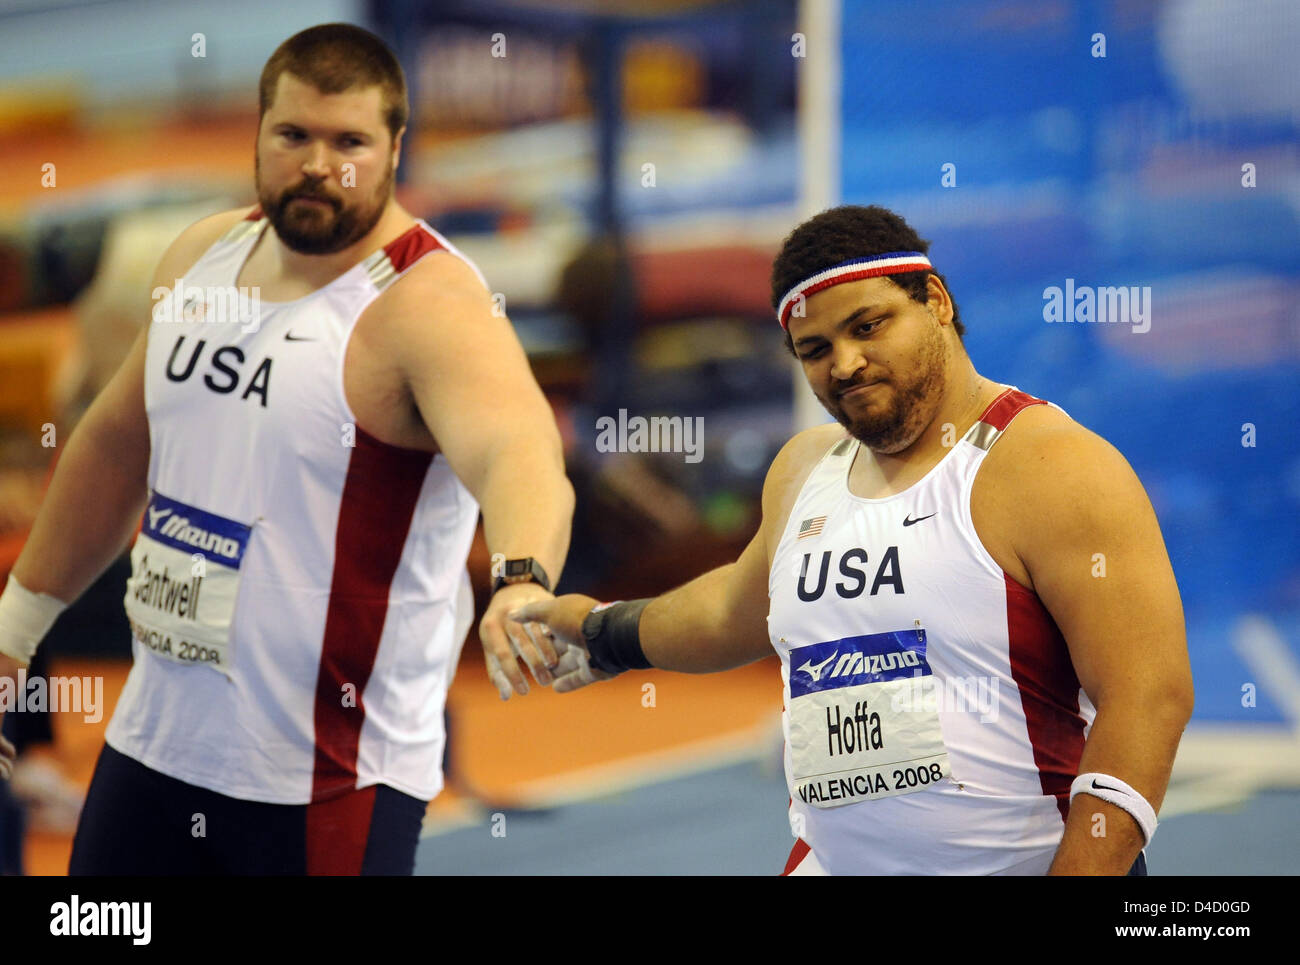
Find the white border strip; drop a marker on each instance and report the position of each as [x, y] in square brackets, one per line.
[818, 128]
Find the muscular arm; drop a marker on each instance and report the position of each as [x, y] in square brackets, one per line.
[715, 622]
[100, 485]
[99, 489]
[719, 620]
[476, 394]
[1084, 514]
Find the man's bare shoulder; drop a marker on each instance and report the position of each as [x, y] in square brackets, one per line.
[433, 298]
[1047, 468]
[191, 243]
[438, 334]
[790, 470]
[438, 280]
[1042, 438]
[804, 449]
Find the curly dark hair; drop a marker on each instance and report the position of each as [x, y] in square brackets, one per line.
[841, 234]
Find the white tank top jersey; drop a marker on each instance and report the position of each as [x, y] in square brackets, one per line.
[933, 720]
[298, 597]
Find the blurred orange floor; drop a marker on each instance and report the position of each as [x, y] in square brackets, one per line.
[221, 146]
[540, 747]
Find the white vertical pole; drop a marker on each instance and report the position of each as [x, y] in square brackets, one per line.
[818, 129]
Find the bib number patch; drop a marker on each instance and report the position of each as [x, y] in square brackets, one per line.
[185, 570]
[853, 737]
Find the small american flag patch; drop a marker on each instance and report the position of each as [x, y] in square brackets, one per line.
[811, 527]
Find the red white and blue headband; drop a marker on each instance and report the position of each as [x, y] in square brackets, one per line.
[891, 263]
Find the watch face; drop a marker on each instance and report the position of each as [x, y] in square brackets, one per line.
[519, 567]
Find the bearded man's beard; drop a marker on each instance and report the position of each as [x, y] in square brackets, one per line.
[314, 230]
[893, 424]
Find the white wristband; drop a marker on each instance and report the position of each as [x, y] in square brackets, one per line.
[1114, 791]
[25, 619]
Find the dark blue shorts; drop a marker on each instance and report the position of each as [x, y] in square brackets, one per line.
[137, 821]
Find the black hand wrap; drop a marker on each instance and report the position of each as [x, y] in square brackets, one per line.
[613, 637]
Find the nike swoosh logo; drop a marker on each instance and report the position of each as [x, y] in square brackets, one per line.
[909, 521]
[1103, 787]
[290, 337]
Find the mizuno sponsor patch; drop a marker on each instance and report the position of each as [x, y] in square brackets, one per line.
[849, 739]
[185, 573]
[193, 530]
[870, 658]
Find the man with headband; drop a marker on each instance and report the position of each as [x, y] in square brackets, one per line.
[323, 401]
[980, 635]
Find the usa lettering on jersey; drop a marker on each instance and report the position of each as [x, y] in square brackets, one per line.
[888, 573]
[226, 363]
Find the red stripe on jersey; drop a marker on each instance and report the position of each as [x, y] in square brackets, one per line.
[1049, 691]
[797, 854]
[338, 831]
[408, 248]
[379, 497]
[1004, 408]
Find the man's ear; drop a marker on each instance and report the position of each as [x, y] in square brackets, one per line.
[938, 299]
[397, 147]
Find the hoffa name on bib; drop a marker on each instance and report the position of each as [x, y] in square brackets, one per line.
[849, 741]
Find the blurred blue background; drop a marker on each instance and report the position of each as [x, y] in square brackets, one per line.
[1120, 170]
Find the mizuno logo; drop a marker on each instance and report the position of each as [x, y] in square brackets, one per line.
[156, 514]
[815, 670]
[181, 530]
[909, 521]
[853, 663]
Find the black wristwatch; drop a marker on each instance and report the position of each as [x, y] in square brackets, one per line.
[526, 570]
